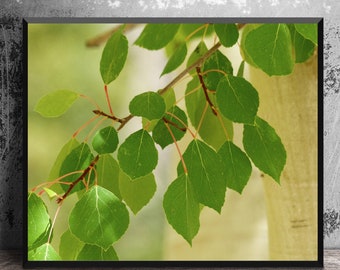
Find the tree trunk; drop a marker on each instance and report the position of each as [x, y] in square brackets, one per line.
[289, 104]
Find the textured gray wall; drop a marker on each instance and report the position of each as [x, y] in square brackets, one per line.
[11, 95]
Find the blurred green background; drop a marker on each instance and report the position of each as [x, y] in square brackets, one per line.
[58, 59]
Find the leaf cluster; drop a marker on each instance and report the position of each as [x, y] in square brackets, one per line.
[111, 175]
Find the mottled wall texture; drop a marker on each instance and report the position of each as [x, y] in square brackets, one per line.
[12, 87]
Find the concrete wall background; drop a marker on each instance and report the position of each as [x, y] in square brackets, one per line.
[12, 98]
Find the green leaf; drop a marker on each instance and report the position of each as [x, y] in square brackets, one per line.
[44, 253]
[78, 160]
[240, 69]
[69, 246]
[150, 105]
[138, 155]
[51, 194]
[99, 218]
[137, 192]
[195, 102]
[227, 34]
[237, 167]
[237, 99]
[303, 47]
[205, 171]
[39, 223]
[64, 152]
[181, 208]
[95, 253]
[113, 57]
[187, 29]
[269, 47]
[161, 134]
[108, 174]
[245, 31]
[265, 148]
[176, 59]
[199, 51]
[156, 36]
[308, 31]
[217, 61]
[105, 140]
[56, 103]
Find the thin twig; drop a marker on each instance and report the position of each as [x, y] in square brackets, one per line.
[80, 178]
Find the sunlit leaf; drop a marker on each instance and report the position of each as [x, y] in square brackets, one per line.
[181, 207]
[108, 174]
[138, 155]
[95, 253]
[44, 253]
[38, 223]
[308, 31]
[264, 147]
[269, 47]
[113, 57]
[205, 171]
[69, 246]
[56, 103]
[137, 192]
[175, 117]
[99, 218]
[150, 105]
[156, 36]
[237, 99]
[237, 167]
[227, 34]
[105, 140]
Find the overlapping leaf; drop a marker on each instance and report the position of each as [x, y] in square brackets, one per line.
[202, 116]
[78, 159]
[108, 174]
[199, 51]
[214, 68]
[150, 105]
[104, 218]
[95, 253]
[205, 171]
[156, 36]
[269, 47]
[105, 140]
[237, 99]
[227, 34]
[176, 120]
[39, 223]
[303, 48]
[308, 31]
[138, 155]
[264, 147]
[176, 59]
[237, 167]
[69, 246]
[137, 192]
[114, 56]
[182, 208]
[44, 253]
[56, 103]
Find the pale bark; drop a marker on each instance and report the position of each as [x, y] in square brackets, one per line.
[289, 104]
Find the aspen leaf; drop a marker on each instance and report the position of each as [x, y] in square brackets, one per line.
[138, 155]
[181, 208]
[113, 57]
[264, 147]
[105, 140]
[104, 218]
[56, 103]
[95, 253]
[227, 34]
[44, 253]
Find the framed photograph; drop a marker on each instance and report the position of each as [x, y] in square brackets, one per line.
[174, 142]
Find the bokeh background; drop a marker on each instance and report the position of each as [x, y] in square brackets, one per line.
[59, 59]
